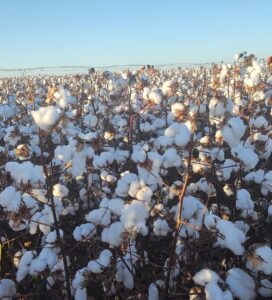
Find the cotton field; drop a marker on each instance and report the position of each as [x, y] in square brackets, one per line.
[146, 184]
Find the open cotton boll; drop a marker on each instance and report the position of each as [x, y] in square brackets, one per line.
[45, 117]
[266, 185]
[161, 227]
[269, 210]
[64, 153]
[171, 158]
[37, 266]
[79, 278]
[233, 131]
[64, 98]
[113, 234]
[264, 254]
[218, 108]
[260, 122]
[214, 292]
[206, 276]
[179, 132]
[78, 163]
[60, 190]
[257, 176]
[138, 156]
[24, 265]
[140, 191]
[241, 284]
[100, 216]
[244, 202]
[83, 231]
[177, 107]
[52, 236]
[266, 288]
[116, 205]
[190, 206]
[7, 289]
[123, 184]
[155, 96]
[233, 237]
[10, 199]
[26, 173]
[247, 156]
[98, 265]
[153, 292]
[169, 87]
[134, 216]
[81, 294]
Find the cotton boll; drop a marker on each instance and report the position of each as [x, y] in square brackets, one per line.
[123, 184]
[26, 173]
[98, 265]
[190, 206]
[134, 188]
[7, 289]
[233, 131]
[218, 108]
[264, 255]
[10, 198]
[24, 265]
[155, 97]
[233, 237]
[138, 156]
[257, 176]
[241, 284]
[266, 185]
[206, 276]
[60, 190]
[83, 231]
[180, 132]
[113, 234]
[153, 292]
[81, 294]
[246, 155]
[269, 211]
[78, 163]
[134, 216]
[161, 227]
[128, 280]
[64, 153]
[214, 292]
[100, 216]
[169, 87]
[37, 266]
[144, 194]
[116, 205]
[266, 288]
[171, 158]
[244, 202]
[45, 117]
[51, 237]
[260, 122]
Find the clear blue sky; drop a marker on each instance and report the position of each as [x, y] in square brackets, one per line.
[104, 32]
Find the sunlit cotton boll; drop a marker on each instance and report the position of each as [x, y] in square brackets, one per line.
[45, 117]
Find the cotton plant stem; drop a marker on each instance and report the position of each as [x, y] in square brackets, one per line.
[53, 208]
[174, 242]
